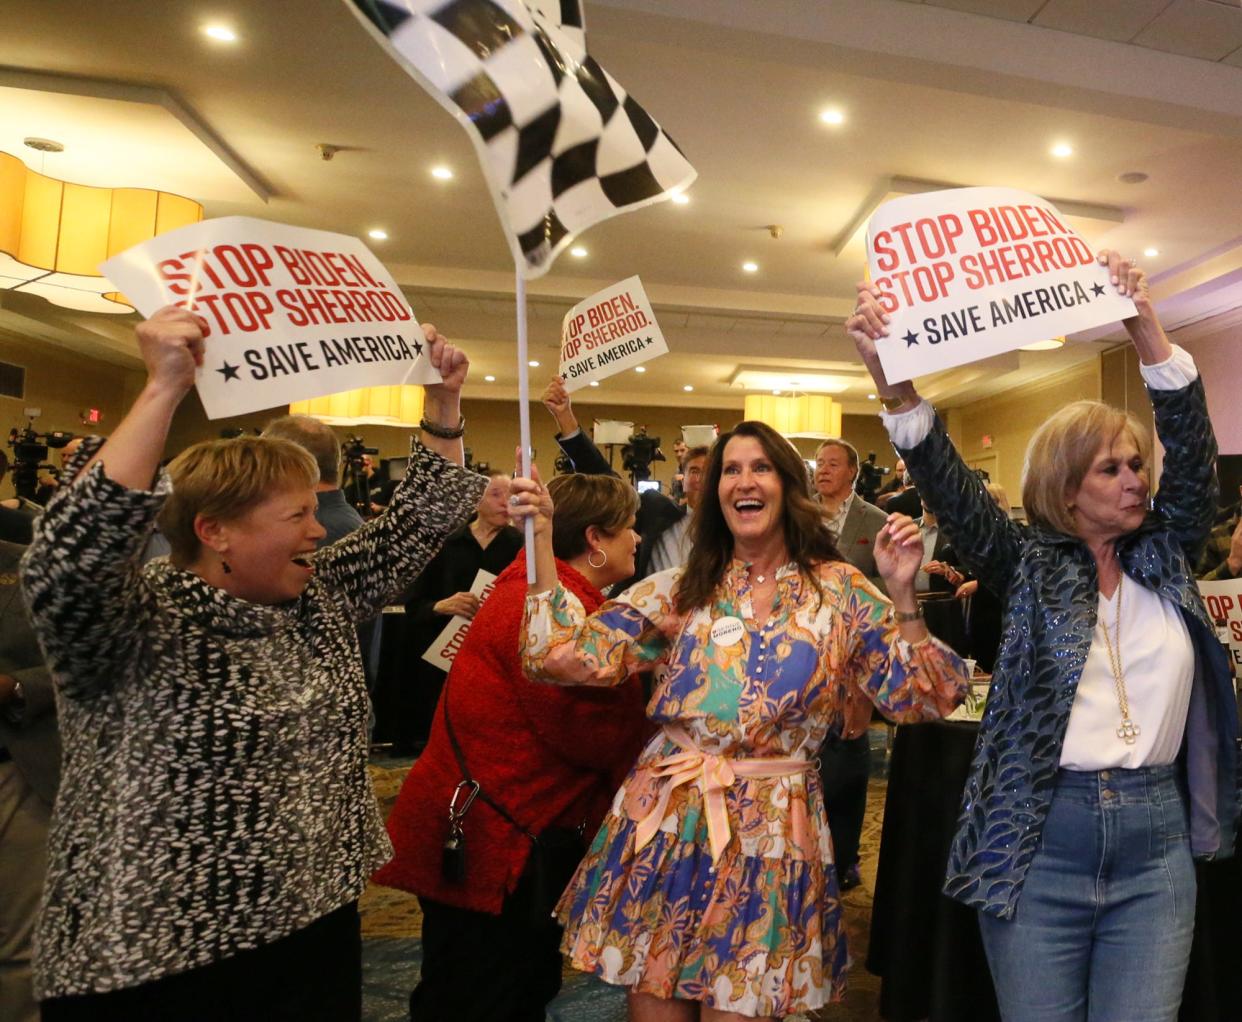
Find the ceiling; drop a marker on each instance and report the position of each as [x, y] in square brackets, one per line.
[959, 92]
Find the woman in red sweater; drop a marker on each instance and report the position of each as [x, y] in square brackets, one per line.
[547, 761]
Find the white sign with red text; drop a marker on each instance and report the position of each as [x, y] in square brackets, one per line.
[968, 273]
[612, 331]
[1224, 603]
[448, 642]
[294, 313]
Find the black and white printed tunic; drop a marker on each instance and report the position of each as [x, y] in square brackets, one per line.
[214, 795]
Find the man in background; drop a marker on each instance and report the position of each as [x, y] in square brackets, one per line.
[674, 546]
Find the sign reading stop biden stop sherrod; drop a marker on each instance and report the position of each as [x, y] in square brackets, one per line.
[973, 272]
[613, 330]
[294, 313]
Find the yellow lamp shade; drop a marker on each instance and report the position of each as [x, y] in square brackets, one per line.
[54, 234]
[400, 405]
[796, 415]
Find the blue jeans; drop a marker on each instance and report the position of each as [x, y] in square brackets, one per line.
[1104, 923]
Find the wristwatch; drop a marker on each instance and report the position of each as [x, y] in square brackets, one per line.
[893, 404]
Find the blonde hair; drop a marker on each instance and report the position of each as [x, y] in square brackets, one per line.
[223, 479]
[998, 494]
[1060, 455]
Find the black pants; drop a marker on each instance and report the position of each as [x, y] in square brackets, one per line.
[314, 973]
[479, 967]
[844, 767]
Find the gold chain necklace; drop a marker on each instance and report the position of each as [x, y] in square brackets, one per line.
[1127, 730]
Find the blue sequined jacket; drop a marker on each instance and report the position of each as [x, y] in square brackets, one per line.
[1049, 585]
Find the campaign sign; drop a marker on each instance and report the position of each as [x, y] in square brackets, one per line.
[294, 313]
[613, 330]
[972, 272]
[448, 642]
[1224, 603]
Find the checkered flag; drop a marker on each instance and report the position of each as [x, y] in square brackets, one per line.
[562, 145]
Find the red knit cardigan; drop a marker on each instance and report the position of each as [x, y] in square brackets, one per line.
[550, 756]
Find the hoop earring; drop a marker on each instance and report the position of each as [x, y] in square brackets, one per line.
[225, 565]
[602, 554]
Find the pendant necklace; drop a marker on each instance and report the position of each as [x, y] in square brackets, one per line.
[1127, 730]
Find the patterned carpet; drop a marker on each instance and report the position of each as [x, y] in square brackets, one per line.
[392, 924]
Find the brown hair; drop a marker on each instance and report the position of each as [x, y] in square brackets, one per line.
[223, 479]
[1060, 455]
[317, 437]
[581, 501]
[807, 537]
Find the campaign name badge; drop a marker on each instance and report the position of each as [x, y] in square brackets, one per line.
[727, 631]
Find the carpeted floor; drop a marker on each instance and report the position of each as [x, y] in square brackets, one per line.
[392, 924]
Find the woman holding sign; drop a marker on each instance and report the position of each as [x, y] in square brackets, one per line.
[215, 824]
[710, 890]
[1105, 758]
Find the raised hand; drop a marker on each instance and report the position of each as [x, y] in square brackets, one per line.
[899, 553]
[172, 344]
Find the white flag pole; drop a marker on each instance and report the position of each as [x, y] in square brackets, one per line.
[524, 414]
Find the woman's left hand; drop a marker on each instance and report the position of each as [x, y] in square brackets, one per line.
[529, 498]
[1144, 329]
[899, 551]
[451, 361]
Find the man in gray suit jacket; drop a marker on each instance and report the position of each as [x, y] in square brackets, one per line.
[845, 760]
[29, 770]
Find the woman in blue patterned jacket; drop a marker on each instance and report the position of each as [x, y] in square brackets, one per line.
[1105, 758]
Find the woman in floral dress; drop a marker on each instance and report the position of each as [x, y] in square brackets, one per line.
[709, 890]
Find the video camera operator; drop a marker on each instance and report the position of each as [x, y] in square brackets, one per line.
[639, 453]
[870, 476]
[359, 481]
[30, 451]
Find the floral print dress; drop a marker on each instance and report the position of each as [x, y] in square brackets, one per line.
[711, 878]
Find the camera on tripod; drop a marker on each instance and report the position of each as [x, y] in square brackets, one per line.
[870, 476]
[30, 450]
[355, 480]
[638, 454]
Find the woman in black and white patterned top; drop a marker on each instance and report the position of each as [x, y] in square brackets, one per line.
[215, 824]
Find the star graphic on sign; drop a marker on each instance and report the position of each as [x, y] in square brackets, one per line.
[911, 338]
[1097, 289]
[418, 347]
[228, 372]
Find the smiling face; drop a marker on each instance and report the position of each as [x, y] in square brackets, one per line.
[1111, 500]
[751, 496]
[834, 475]
[268, 548]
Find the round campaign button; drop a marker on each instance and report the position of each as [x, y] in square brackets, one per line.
[727, 631]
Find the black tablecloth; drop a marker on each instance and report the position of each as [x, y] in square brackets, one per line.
[926, 948]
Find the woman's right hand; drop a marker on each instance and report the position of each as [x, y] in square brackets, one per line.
[529, 498]
[867, 325]
[172, 344]
[458, 605]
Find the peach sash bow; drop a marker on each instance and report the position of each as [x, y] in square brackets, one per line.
[714, 775]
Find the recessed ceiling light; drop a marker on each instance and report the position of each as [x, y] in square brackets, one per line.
[595, 383]
[870, 397]
[1151, 253]
[378, 233]
[578, 252]
[681, 198]
[1061, 150]
[832, 116]
[220, 33]
[777, 393]
[1132, 177]
[687, 388]
[533, 363]
[640, 369]
[442, 173]
[750, 267]
[489, 379]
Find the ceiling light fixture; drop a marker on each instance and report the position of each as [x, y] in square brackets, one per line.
[803, 415]
[595, 383]
[395, 405]
[442, 173]
[489, 379]
[1051, 344]
[759, 378]
[378, 233]
[640, 369]
[54, 234]
[870, 397]
[220, 33]
[578, 252]
[832, 116]
[1151, 253]
[680, 198]
[1062, 150]
[533, 363]
[750, 267]
[687, 388]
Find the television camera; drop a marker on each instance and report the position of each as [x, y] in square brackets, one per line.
[30, 450]
[638, 454]
[870, 476]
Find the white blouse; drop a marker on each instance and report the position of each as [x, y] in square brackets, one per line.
[1157, 663]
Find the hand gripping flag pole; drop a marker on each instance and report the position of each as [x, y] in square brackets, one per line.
[561, 144]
